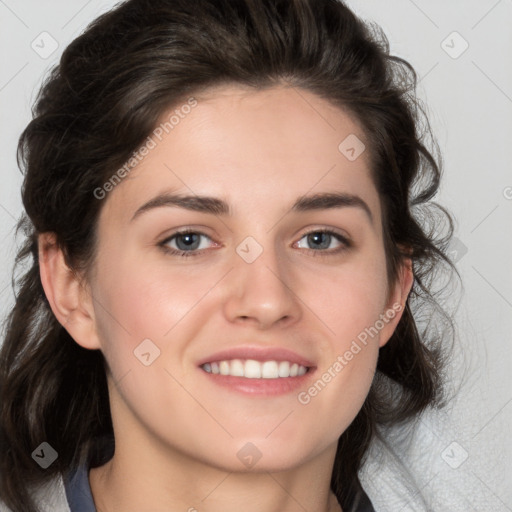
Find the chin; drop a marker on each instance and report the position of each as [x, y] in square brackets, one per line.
[265, 455]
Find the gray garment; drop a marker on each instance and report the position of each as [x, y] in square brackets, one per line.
[78, 491]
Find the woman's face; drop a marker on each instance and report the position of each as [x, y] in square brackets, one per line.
[258, 289]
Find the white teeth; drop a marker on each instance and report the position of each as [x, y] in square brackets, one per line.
[284, 369]
[224, 367]
[269, 370]
[237, 368]
[251, 369]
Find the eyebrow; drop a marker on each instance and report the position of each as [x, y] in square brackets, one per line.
[216, 206]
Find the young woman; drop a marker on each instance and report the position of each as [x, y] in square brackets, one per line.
[226, 263]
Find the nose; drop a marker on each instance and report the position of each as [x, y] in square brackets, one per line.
[261, 292]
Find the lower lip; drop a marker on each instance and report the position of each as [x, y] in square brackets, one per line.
[260, 387]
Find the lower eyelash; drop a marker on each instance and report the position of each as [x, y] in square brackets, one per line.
[183, 254]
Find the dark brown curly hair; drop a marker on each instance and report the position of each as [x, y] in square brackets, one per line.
[101, 102]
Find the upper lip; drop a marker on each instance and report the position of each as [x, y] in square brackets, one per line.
[257, 353]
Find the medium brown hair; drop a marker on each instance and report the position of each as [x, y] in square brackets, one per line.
[101, 102]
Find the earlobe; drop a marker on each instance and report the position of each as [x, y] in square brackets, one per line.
[70, 303]
[397, 299]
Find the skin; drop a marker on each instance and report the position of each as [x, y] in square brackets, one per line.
[177, 434]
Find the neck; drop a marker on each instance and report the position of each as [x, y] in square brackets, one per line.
[148, 473]
[139, 477]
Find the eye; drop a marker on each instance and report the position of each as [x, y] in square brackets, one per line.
[322, 239]
[186, 243]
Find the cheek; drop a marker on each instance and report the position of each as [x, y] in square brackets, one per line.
[350, 303]
[135, 303]
[351, 300]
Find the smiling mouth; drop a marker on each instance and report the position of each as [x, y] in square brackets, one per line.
[252, 369]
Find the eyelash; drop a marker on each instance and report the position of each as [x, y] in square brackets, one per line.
[346, 244]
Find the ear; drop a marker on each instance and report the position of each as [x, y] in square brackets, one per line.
[69, 300]
[396, 301]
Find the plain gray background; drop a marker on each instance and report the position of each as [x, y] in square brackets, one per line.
[468, 94]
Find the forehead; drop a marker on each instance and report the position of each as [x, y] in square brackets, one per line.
[255, 148]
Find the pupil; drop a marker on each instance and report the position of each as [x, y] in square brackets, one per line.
[188, 239]
[315, 237]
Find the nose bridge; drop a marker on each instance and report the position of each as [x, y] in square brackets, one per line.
[261, 287]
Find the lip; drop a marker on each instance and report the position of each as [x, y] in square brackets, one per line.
[261, 354]
[259, 387]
